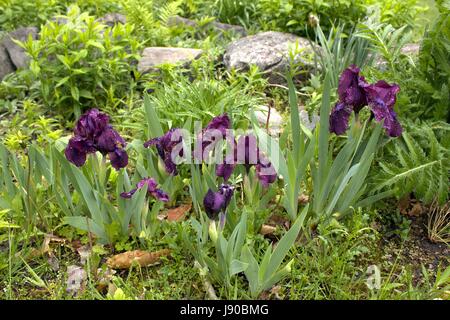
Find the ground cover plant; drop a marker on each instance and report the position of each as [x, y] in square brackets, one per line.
[224, 149]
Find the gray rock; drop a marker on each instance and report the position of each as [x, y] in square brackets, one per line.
[112, 19]
[17, 55]
[152, 57]
[275, 122]
[6, 65]
[230, 27]
[270, 52]
[182, 22]
[59, 20]
[411, 49]
[218, 26]
[306, 120]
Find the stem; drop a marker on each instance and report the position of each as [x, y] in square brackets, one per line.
[28, 193]
[206, 284]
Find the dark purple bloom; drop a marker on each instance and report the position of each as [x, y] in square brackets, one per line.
[77, 150]
[151, 190]
[118, 158]
[91, 124]
[94, 133]
[109, 140]
[217, 128]
[266, 172]
[221, 123]
[355, 93]
[339, 118]
[246, 152]
[165, 145]
[383, 91]
[225, 170]
[381, 98]
[351, 88]
[215, 202]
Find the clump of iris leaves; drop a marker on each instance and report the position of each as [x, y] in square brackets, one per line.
[109, 188]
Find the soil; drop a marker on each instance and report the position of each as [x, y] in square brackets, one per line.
[417, 250]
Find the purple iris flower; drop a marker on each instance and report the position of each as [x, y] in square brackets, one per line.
[221, 123]
[226, 168]
[94, 133]
[266, 172]
[351, 88]
[164, 146]
[246, 152]
[152, 190]
[355, 93]
[339, 118]
[381, 97]
[215, 202]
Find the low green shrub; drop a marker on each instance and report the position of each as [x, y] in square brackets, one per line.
[82, 63]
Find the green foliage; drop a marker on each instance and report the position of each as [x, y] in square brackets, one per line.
[424, 80]
[434, 66]
[290, 164]
[227, 264]
[234, 11]
[23, 186]
[150, 19]
[201, 100]
[297, 16]
[417, 162]
[3, 222]
[395, 12]
[82, 63]
[22, 13]
[386, 40]
[265, 274]
[339, 50]
[339, 183]
[27, 123]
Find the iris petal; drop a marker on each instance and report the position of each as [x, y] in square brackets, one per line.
[118, 158]
[351, 88]
[77, 150]
[164, 145]
[339, 118]
[151, 190]
[214, 202]
[266, 172]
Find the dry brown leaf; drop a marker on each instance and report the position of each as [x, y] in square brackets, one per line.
[45, 248]
[267, 229]
[104, 278]
[279, 220]
[275, 291]
[178, 214]
[303, 199]
[416, 210]
[403, 204]
[143, 258]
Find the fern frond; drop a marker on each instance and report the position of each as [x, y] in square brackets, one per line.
[385, 39]
[415, 168]
[167, 11]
